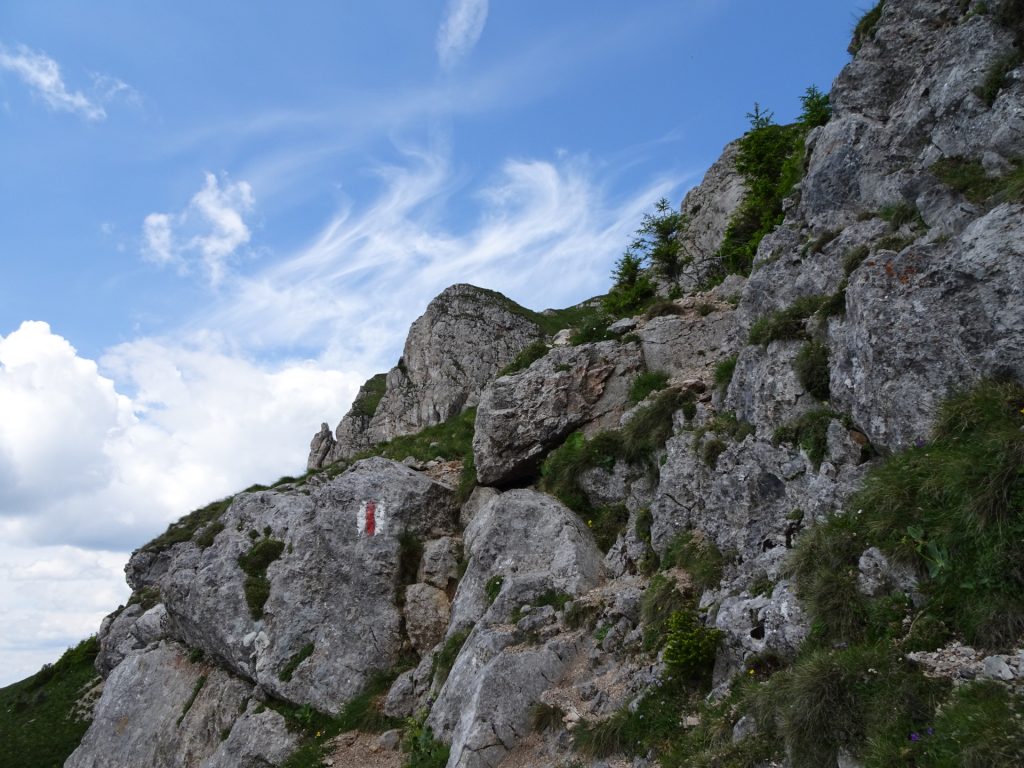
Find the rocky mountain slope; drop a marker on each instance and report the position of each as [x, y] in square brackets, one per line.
[773, 520]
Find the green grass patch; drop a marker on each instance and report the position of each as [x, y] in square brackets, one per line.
[545, 717]
[593, 329]
[854, 258]
[285, 675]
[900, 214]
[865, 28]
[969, 178]
[493, 588]
[786, 324]
[187, 527]
[646, 383]
[254, 564]
[661, 600]
[445, 658]
[696, 555]
[38, 724]
[196, 689]
[811, 366]
[421, 748]
[525, 358]
[724, 371]
[451, 440]
[724, 425]
[810, 432]
[363, 713]
[606, 524]
[998, 76]
[368, 398]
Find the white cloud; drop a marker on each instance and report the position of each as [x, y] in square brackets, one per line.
[42, 74]
[108, 88]
[85, 465]
[545, 232]
[212, 227]
[460, 30]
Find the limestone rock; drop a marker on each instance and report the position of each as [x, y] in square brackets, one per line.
[159, 710]
[708, 207]
[528, 538]
[523, 416]
[427, 611]
[130, 630]
[440, 563]
[257, 739]
[689, 346]
[333, 585]
[465, 336]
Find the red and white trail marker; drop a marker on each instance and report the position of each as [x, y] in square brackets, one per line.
[370, 519]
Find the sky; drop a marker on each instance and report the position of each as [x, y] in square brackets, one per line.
[218, 219]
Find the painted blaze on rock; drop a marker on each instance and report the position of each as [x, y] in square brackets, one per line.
[370, 518]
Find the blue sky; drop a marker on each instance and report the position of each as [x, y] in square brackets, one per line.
[219, 218]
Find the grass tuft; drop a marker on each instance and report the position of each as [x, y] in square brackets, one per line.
[254, 564]
[788, 323]
[810, 432]
[646, 383]
[285, 675]
[811, 366]
[525, 358]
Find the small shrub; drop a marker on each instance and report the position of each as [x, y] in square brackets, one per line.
[633, 288]
[255, 563]
[724, 371]
[788, 323]
[696, 555]
[816, 109]
[725, 425]
[711, 450]
[545, 717]
[865, 29]
[607, 523]
[705, 308]
[811, 366]
[810, 432]
[185, 528]
[493, 588]
[997, 78]
[690, 647]
[525, 358]
[367, 400]
[285, 675]
[854, 258]
[661, 599]
[421, 748]
[818, 244]
[900, 214]
[970, 179]
[594, 329]
[646, 383]
[651, 426]
[195, 655]
[444, 659]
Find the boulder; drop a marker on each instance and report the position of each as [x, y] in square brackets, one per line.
[333, 585]
[427, 610]
[523, 416]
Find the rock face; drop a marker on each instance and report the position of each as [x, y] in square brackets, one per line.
[506, 601]
[708, 208]
[523, 416]
[158, 709]
[333, 585]
[452, 351]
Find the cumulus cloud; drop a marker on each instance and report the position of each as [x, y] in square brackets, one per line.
[460, 30]
[42, 74]
[211, 229]
[86, 465]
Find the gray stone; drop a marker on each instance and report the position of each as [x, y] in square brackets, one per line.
[708, 207]
[130, 630]
[689, 346]
[142, 717]
[401, 699]
[996, 668]
[440, 563]
[530, 538]
[257, 740]
[878, 576]
[332, 586]
[623, 326]
[390, 740]
[478, 499]
[427, 611]
[523, 416]
[465, 336]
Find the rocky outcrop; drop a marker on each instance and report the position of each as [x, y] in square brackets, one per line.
[688, 345]
[707, 208]
[523, 416]
[158, 709]
[466, 335]
[333, 584]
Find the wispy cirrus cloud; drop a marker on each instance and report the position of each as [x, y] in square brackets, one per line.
[460, 30]
[211, 228]
[42, 74]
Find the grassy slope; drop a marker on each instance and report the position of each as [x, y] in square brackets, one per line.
[37, 727]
